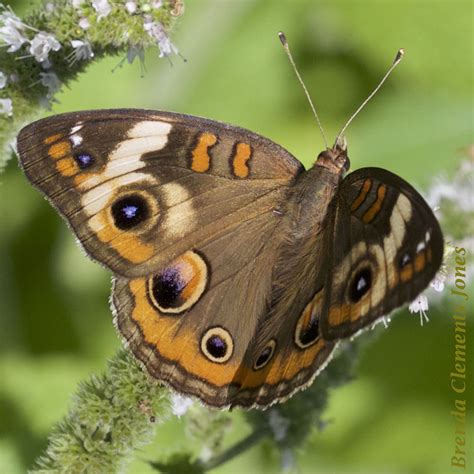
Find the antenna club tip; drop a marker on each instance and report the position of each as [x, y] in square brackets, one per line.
[400, 54]
[282, 37]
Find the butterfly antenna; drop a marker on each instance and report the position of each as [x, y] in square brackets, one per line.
[284, 42]
[395, 63]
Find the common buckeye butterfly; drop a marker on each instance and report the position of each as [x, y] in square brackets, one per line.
[236, 271]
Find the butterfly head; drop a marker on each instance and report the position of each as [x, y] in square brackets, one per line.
[336, 158]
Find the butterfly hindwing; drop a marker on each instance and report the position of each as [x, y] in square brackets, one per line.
[193, 323]
[385, 246]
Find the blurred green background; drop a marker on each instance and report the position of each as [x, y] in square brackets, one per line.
[55, 323]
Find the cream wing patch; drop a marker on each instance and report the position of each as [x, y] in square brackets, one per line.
[144, 137]
[122, 164]
[180, 218]
[401, 213]
[96, 199]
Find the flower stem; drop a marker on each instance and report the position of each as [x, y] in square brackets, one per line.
[236, 450]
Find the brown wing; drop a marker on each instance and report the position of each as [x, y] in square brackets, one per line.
[140, 188]
[195, 323]
[385, 246]
[205, 323]
[192, 322]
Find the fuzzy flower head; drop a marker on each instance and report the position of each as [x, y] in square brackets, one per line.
[102, 7]
[157, 32]
[11, 31]
[420, 305]
[6, 107]
[42, 44]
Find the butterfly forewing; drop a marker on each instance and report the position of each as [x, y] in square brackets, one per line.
[142, 187]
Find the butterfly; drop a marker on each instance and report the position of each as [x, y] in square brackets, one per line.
[236, 271]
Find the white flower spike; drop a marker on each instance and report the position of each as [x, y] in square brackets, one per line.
[131, 7]
[84, 23]
[51, 81]
[6, 107]
[438, 283]
[157, 32]
[420, 305]
[3, 80]
[102, 7]
[42, 44]
[279, 424]
[11, 30]
[82, 50]
[180, 404]
[8, 18]
[135, 52]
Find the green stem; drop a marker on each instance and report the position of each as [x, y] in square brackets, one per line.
[236, 450]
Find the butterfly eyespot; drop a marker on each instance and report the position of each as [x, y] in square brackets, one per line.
[167, 287]
[180, 285]
[404, 260]
[360, 285]
[130, 211]
[84, 160]
[307, 327]
[217, 345]
[309, 334]
[267, 353]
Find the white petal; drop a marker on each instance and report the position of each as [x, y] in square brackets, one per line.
[180, 404]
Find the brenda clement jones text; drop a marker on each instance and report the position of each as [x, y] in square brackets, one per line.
[458, 380]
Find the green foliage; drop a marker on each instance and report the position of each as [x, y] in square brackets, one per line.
[179, 464]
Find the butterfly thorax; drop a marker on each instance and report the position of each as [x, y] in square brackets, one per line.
[302, 253]
[310, 197]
